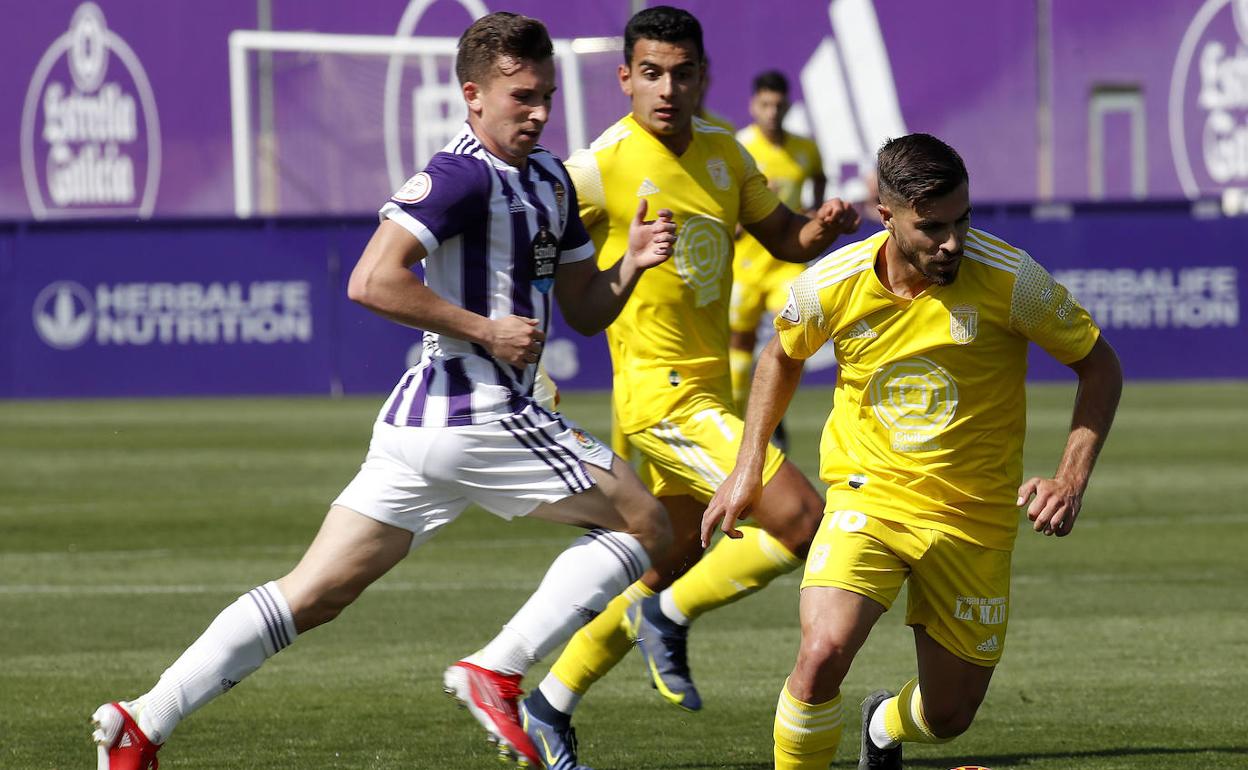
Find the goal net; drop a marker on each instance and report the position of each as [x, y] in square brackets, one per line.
[326, 123]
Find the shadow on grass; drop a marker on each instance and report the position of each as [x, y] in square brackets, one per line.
[993, 760]
[1022, 760]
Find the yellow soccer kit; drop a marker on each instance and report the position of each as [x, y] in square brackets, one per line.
[669, 346]
[761, 280]
[930, 400]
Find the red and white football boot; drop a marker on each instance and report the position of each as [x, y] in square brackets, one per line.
[122, 745]
[491, 698]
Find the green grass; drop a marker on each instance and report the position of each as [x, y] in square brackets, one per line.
[126, 525]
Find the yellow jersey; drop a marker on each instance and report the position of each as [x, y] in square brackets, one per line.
[671, 340]
[787, 166]
[930, 398]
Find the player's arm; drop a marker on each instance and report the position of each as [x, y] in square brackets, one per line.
[591, 299]
[775, 381]
[1055, 503]
[792, 237]
[383, 282]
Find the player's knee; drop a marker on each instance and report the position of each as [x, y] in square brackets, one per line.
[949, 720]
[318, 605]
[826, 656]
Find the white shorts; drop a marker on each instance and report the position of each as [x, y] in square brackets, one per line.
[419, 479]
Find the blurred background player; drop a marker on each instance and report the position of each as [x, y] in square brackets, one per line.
[673, 392]
[495, 220]
[923, 453]
[760, 281]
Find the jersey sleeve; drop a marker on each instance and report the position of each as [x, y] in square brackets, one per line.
[587, 181]
[803, 326]
[757, 199]
[575, 245]
[441, 201]
[1045, 312]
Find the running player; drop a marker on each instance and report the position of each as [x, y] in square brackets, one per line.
[923, 453]
[673, 393]
[760, 281]
[494, 218]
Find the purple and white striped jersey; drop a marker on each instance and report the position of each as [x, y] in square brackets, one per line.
[479, 220]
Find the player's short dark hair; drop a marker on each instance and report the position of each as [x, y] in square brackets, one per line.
[664, 24]
[771, 80]
[918, 167]
[497, 36]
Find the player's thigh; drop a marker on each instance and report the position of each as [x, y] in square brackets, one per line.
[960, 594]
[835, 624]
[693, 453]
[348, 554]
[618, 501]
[789, 508]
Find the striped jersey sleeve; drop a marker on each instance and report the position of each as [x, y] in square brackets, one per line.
[441, 201]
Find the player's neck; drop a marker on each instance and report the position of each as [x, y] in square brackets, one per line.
[676, 143]
[897, 274]
[494, 149]
[776, 137]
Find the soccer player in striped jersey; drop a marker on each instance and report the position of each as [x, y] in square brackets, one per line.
[760, 282]
[669, 347]
[494, 217]
[923, 454]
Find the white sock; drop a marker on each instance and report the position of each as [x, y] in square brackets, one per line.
[254, 628]
[668, 605]
[559, 694]
[877, 731]
[577, 586]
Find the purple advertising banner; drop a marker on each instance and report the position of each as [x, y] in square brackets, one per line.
[306, 107]
[165, 309]
[202, 308]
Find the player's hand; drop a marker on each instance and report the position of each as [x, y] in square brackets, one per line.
[732, 502]
[515, 340]
[651, 243]
[1052, 505]
[838, 217]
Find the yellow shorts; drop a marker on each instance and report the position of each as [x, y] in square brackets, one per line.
[959, 591]
[759, 283]
[693, 455]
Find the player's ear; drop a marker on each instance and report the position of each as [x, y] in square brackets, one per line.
[626, 82]
[886, 216]
[472, 96]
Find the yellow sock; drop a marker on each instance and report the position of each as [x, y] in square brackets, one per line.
[806, 735]
[741, 364]
[730, 570]
[903, 716]
[599, 645]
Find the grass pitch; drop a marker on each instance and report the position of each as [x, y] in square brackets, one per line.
[125, 526]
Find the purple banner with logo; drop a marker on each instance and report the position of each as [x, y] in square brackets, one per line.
[130, 110]
[187, 308]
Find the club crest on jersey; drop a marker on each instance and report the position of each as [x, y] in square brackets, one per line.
[584, 439]
[718, 170]
[791, 312]
[415, 189]
[963, 323]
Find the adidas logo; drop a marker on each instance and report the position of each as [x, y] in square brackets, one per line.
[989, 645]
[861, 331]
[125, 740]
[647, 188]
[226, 684]
[585, 613]
[516, 206]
